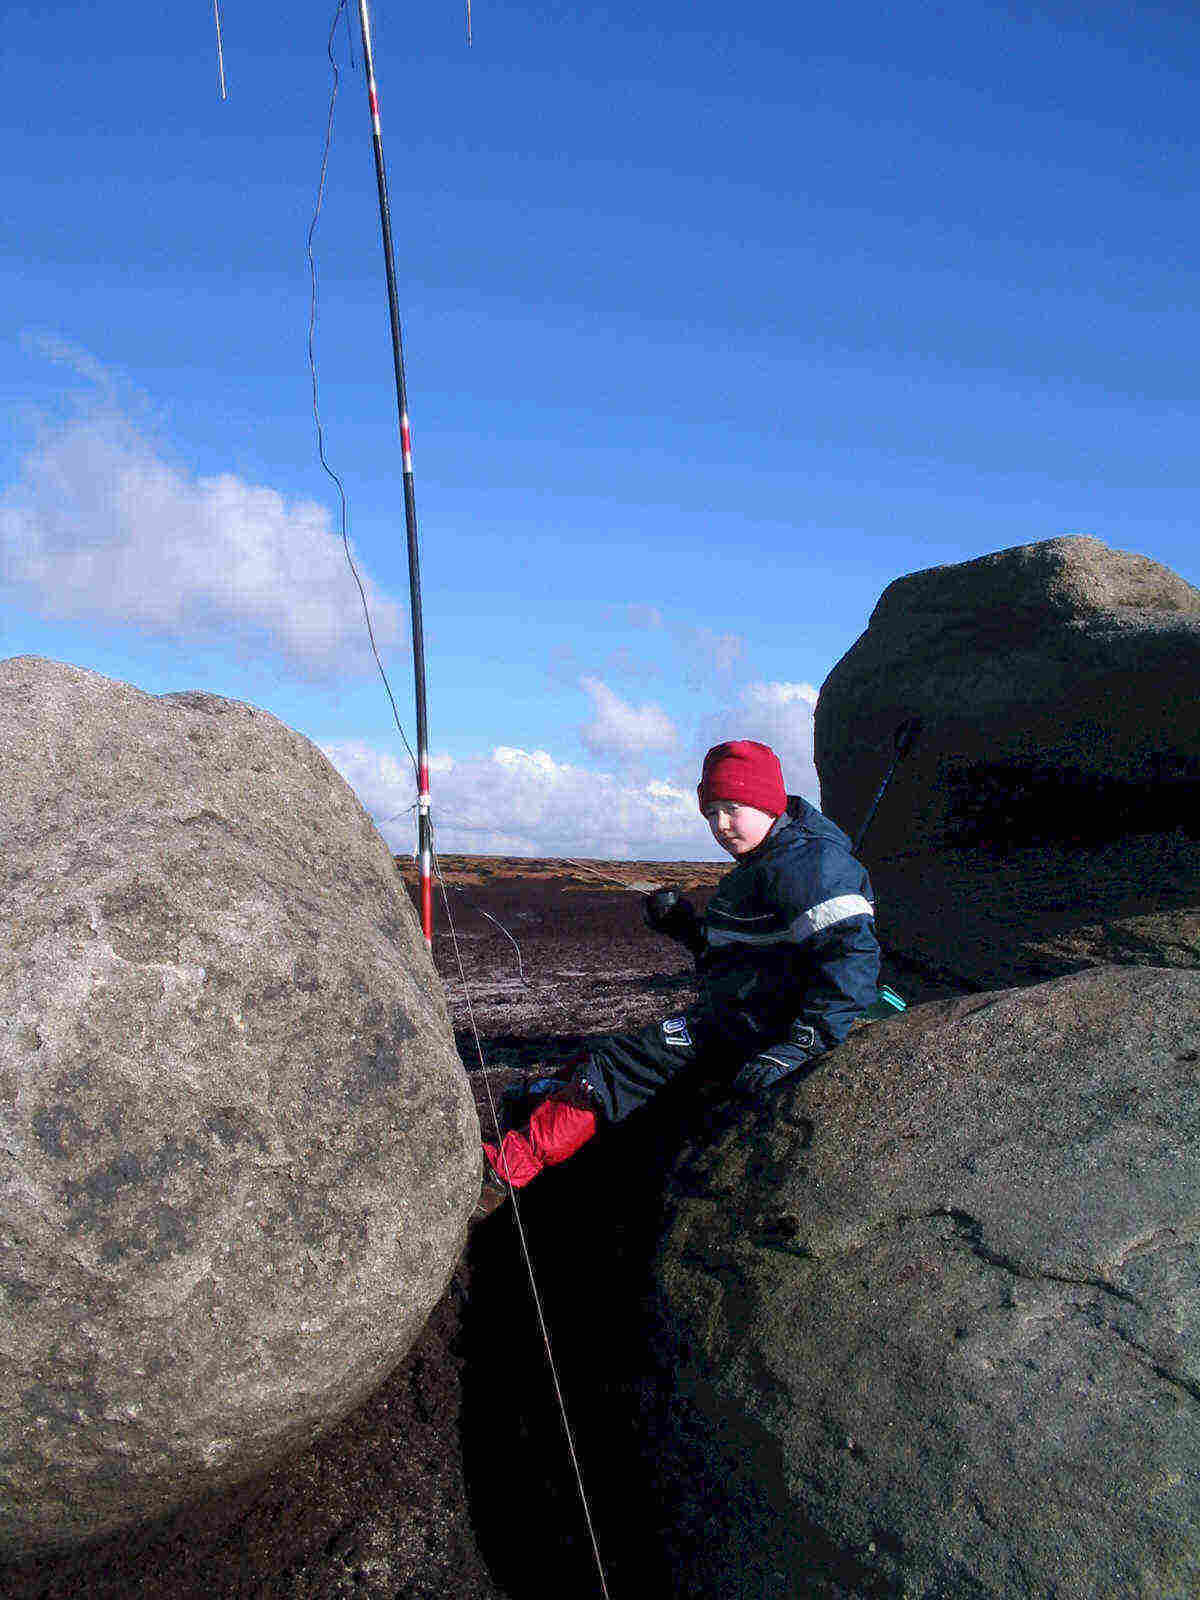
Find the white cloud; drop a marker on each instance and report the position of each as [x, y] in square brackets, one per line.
[642, 616]
[625, 663]
[524, 802]
[99, 527]
[618, 728]
[529, 763]
[707, 655]
[778, 697]
[778, 714]
[521, 802]
[64, 353]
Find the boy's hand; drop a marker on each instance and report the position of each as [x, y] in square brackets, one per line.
[770, 1067]
[666, 911]
[759, 1074]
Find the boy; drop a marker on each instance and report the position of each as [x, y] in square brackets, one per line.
[786, 960]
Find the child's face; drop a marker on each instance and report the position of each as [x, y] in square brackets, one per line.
[737, 828]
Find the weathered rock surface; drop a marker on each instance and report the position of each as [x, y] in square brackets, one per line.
[937, 1318]
[1052, 803]
[987, 921]
[237, 1147]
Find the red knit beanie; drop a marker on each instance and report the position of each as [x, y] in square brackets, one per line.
[744, 771]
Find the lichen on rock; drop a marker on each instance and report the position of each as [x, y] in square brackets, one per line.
[238, 1147]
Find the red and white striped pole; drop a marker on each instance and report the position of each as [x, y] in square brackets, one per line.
[424, 834]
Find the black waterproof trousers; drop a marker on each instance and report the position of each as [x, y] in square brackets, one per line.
[624, 1070]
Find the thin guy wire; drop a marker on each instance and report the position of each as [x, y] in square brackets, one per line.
[220, 52]
[476, 907]
[312, 366]
[537, 1302]
[503, 930]
[407, 811]
[350, 38]
[606, 876]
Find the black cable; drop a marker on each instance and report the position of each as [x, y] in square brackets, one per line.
[312, 366]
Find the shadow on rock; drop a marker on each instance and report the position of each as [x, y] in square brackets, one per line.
[593, 1229]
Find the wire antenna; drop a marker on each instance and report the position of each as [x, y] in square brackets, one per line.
[350, 38]
[220, 52]
[608, 877]
[312, 367]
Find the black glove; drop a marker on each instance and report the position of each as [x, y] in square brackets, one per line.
[769, 1067]
[759, 1074]
[666, 911]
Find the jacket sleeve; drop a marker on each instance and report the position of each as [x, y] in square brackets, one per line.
[837, 967]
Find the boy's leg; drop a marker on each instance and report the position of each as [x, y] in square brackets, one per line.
[625, 1070]
[619, 1073]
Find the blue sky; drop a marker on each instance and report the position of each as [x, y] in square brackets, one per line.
[716, 322]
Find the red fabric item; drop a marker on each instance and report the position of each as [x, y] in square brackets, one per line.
[745, 771]
[558, 1127]
[513, 1159]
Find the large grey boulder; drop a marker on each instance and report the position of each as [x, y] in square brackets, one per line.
[1049, 815]
[936, 1319]
[237, 1147]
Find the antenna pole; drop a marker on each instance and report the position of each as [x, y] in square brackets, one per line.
[424, 834]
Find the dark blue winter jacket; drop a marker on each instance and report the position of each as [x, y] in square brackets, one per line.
[786, 955]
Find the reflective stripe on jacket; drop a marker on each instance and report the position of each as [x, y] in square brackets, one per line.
[788, 956]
